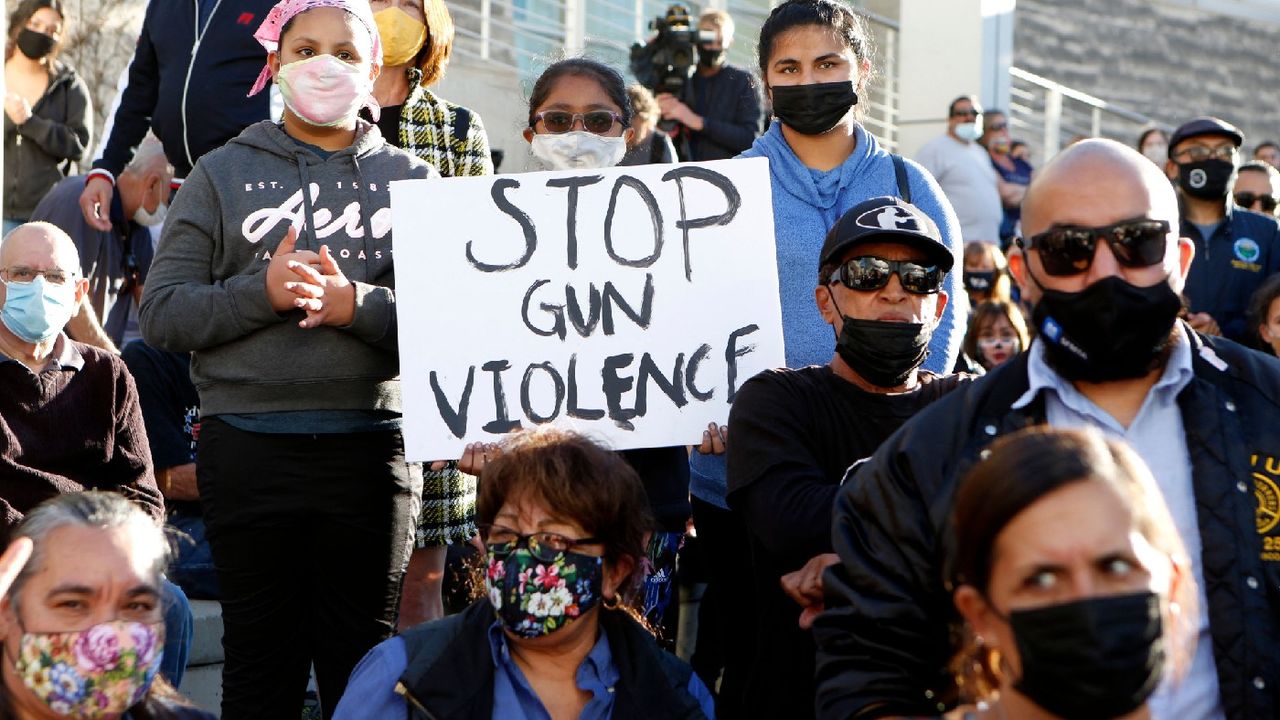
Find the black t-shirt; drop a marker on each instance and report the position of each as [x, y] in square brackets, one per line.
[388, 123]
[792, 436]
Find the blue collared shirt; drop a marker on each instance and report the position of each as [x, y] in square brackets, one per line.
[514, 698]
[1158, 435]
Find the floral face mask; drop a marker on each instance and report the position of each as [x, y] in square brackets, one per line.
[105, 669]
[533, 597]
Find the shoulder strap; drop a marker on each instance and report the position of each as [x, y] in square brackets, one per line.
[904, 185]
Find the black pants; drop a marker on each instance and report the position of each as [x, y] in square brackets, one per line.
[724, 642]
[310, 537]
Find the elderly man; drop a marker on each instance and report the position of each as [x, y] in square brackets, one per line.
[69, 414]
[114, 261]
[1102, 264]
[795, 432]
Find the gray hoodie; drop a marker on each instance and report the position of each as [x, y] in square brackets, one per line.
[206, 291]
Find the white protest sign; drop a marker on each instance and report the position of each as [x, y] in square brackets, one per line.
[628, 303]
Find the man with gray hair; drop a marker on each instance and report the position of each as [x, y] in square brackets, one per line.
[114, 261]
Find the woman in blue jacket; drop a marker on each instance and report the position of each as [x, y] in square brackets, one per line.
[815, 60]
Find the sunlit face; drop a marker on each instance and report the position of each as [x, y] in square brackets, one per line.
[34, 248]
[1268, 154]
[1077, 542]
[86, 576]
[810, 54]
[721, 42]
[413, 8]
[578, 94]
[46, 21]
[964, 111]
[326, 31]
[891, 303]
[995, 133]
[1270, 330]
[997, 342]
[1257, 183]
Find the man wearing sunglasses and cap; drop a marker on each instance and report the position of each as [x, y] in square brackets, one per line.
[1102, 263]
[1235, 250]
[796, 431]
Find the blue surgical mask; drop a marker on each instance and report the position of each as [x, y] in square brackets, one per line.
[38, 310]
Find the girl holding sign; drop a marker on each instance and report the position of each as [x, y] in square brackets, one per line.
[275, 272]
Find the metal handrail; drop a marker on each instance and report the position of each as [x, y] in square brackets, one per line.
[1053, 126]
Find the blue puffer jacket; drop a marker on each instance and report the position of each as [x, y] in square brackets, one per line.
[1229, 267]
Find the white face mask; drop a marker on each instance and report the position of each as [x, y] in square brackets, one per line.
[1157, 153]
[150, 219]
[969, 131]
[578, 150]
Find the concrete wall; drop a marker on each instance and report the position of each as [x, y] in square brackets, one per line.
[940, 51]
[1171, 60]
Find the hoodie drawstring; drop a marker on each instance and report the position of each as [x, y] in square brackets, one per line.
[366, 209]
[308, 214]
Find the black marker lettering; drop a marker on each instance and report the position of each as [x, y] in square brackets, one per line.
[584, 326]
[527, 405]
[571, 217]
[655, 217]
[573, 410]
[498, 192]
[691, 372]
[733, 200]
[732, 352]
[673, 388]
[455, 419]
[501, 423]
[557, 329]
[612, 297]
[615, 386]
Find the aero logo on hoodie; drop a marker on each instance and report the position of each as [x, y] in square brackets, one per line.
[259, 223]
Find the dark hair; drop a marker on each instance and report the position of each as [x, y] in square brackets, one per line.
[984, 315]
[433, 58]
[829, 14]
[1258, 166]
[1020, 469]
[576, 480]
[611, 80]
[1265, 144]
[951, 109]
[21, 14]
[1014, 144]
[1142, 139]
[288, 25]
[1259, 306]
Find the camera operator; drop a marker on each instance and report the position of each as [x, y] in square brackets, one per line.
[725, 115]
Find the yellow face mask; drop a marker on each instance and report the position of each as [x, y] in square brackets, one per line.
[402, 36]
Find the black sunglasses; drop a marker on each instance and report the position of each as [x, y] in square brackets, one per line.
[556, 122]
[545, 546]
[1247, 199]
[867, 274]
[966, 113]
[1069, 249]
[997, 127]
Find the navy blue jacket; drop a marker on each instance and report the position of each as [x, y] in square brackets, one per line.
[1228, 269]
[884, 643]
[189, 87]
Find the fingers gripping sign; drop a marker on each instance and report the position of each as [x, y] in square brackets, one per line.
[324, 292]
[714, 439]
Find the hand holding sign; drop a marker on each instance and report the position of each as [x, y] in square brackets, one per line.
[589, 287]
[325, 293]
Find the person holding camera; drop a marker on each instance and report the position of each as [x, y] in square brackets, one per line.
[719, 116]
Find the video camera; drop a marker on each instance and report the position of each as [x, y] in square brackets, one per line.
[665, 63]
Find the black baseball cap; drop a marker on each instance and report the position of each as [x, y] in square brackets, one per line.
[886, 219]
[1205, 126]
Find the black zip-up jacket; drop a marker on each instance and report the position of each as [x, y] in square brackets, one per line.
[883, 643]
[450, 670]
[188, 85]
[1230, 266]
[49, 145]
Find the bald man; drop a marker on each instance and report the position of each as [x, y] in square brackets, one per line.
[1102, 262]
[69, 414]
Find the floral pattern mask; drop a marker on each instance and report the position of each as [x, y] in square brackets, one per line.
[535, 598]
[103, 670]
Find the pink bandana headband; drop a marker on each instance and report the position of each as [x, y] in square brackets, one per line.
[268, 34]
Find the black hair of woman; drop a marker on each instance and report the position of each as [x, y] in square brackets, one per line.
[611, 80]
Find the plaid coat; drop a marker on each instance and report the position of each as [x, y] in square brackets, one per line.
[448, 136]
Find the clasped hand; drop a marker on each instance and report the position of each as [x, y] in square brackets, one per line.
[311, 282]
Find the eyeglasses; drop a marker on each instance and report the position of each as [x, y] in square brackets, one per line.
[997, 127]
[1200, 153]
[867, 274]
[556, 122]
[545, 546]
[1247, 199]
[966, 113]
[24, 275]
[1069, 249]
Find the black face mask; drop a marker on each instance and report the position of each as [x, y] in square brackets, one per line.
[1096, 658]
[1206, 179]
[980, 282]
[883, 353]
[813, 109]
[708, 58]
[1111, 330]
[35, 45]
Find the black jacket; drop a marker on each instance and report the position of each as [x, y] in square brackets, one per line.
[188, 87]
[49, 145]
[450, 670]
[883, 643]
[729, 104]
[1229, 267]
